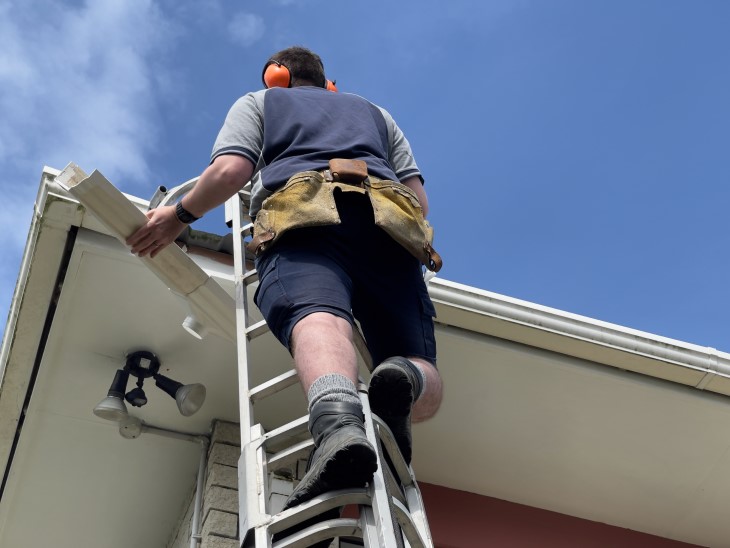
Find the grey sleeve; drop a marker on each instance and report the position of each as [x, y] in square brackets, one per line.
[243, 130]
[400, 154]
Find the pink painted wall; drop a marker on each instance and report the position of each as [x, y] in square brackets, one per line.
[464, 520]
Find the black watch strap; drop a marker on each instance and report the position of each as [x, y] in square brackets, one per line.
[183, 215]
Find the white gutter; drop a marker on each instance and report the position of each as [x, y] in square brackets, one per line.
[44, 253]
[25, 264]
[702, 367]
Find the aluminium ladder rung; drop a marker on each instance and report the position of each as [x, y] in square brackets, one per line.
[247, 230]
[257, 329]
[315, 507]
[250, 277]
[323, 530]
[272, 386]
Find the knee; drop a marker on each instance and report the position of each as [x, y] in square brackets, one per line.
[321, 326]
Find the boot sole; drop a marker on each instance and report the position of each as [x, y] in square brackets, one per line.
[391, 398]
[351, 463]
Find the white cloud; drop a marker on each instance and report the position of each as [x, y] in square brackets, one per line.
[245, 28]
[76, 83]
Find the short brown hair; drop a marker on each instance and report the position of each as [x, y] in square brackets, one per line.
[304, 66]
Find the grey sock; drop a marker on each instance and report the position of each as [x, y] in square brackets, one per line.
[333, 387]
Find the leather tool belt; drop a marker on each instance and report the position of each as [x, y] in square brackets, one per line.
[307, 199]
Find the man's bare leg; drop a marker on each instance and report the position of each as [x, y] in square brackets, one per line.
[322, 345]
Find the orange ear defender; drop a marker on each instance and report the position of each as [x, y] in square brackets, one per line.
[276, 75]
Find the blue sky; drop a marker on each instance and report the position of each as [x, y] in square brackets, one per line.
[575, 151]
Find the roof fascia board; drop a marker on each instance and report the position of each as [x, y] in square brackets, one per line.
[45, 246]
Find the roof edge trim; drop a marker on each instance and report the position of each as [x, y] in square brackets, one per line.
[707, 360]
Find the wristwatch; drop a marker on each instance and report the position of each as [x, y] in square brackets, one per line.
[183, 215]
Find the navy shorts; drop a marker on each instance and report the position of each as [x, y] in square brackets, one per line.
[353, 270]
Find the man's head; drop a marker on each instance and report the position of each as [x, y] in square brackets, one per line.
[304, 68]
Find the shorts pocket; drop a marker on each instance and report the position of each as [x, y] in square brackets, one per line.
[271, 298]
[268, 273]
[427, 308]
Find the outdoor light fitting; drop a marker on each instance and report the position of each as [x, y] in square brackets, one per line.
[189, 397]
[112, 407]
[142, 365]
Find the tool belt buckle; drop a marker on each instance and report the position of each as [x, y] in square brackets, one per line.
[351, 172]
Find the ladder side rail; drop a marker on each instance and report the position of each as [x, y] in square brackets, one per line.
[252, 479]
[380, 518]
[252, 475]
[402, 470]
[418, 513]
[242, 319]
[408, 526]
[370, 535]
[407, 480]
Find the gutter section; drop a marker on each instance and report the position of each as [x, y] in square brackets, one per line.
[208, 301]
[465, 307]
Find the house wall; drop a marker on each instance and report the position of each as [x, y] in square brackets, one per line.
[220, 501]
[465, 520]
[219, 514]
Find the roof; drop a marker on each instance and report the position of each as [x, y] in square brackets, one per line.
[542, 407]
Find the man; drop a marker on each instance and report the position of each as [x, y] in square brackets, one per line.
[317, 275]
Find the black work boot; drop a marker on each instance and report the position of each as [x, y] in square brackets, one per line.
[343, 456]
[394, 387]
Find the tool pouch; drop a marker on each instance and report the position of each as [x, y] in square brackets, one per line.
[308, 200]
[305, 200]
[398, 212]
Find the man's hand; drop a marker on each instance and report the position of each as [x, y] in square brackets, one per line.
[160, 231]
[221, 180]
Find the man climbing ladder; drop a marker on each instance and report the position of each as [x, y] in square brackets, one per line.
[339, 206]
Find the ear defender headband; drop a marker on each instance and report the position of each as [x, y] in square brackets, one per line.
[276, 75]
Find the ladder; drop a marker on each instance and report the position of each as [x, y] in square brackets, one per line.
[391, 512]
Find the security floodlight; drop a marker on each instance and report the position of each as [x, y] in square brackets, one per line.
[143, 364]
[112, 407]
[189, 397]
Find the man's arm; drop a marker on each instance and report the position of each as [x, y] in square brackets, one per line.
[221, 180]
[415, 184]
